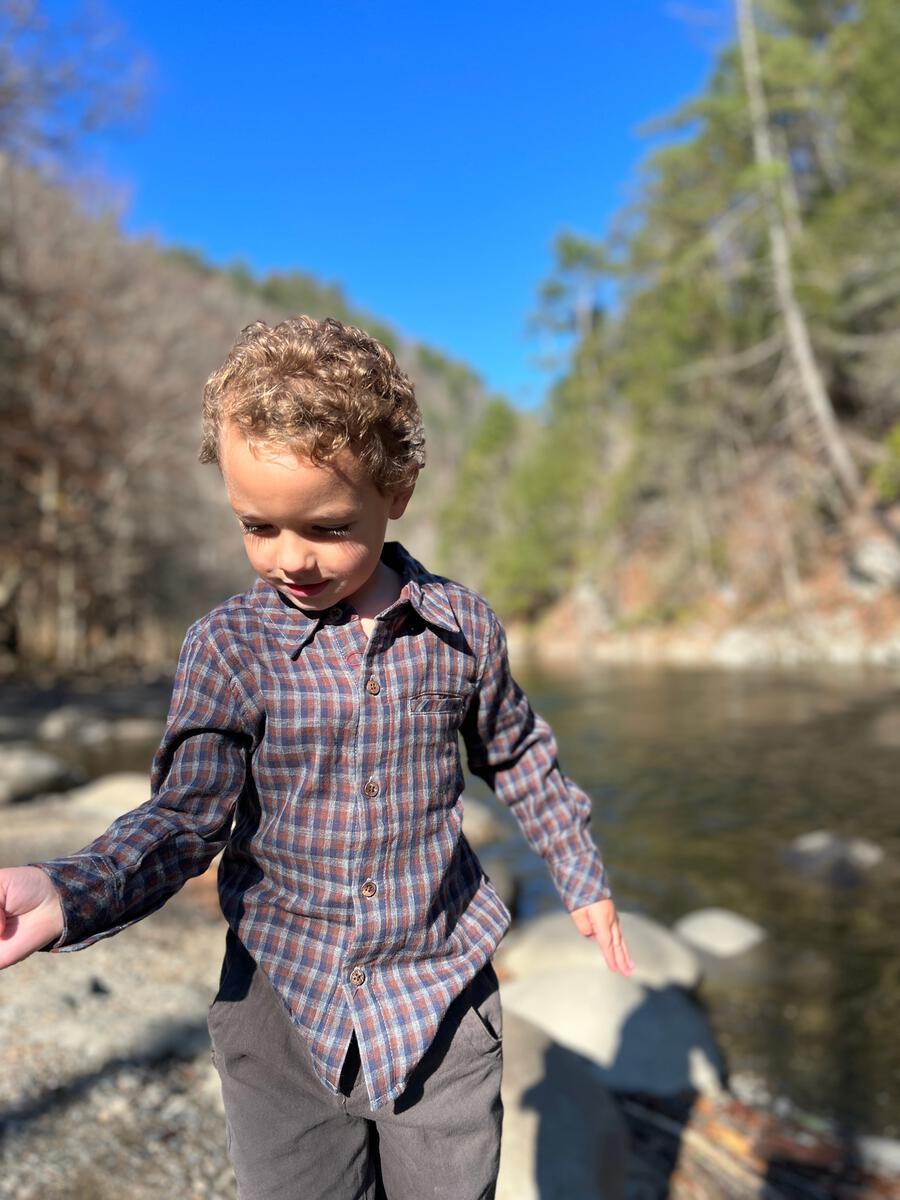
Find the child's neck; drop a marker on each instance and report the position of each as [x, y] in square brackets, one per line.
[377, 594]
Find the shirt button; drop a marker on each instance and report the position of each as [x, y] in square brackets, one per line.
[373, 687]
[357, 977]
[369, 888]
[371, 789]
[335, 614]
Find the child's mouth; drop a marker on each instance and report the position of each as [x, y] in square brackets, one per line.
[304, 589]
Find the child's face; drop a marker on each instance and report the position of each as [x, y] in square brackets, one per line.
[314, 531]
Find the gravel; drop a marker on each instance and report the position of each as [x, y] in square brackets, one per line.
[107, 1088]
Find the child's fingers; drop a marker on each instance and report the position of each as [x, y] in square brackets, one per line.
[616, 952]
[601, 922]
[611, 941]
[624, 962]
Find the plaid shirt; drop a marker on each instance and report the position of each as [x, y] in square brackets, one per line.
[326, 765]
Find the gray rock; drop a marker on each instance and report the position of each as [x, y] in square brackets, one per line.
[504, 880]
[99, 802]
[90, 726]
[26, 771]
[563, 1135]
[551, 942]
[69, 721]
[479, 824]
[720, 933]
[879, 1154]
[876, 560]
[136, 729]
[57, 825]
[825, 857]
[642, 1040]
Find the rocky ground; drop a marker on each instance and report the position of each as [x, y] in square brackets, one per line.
[106, 1084]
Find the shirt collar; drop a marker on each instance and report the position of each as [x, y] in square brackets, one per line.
[424, 592]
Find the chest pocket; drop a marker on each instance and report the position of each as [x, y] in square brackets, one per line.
[447, 703]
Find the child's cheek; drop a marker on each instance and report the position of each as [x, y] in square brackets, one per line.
[256, 552]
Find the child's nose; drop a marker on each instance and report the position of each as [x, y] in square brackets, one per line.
[295, 555]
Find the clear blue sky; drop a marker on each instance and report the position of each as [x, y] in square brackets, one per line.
[423, 155]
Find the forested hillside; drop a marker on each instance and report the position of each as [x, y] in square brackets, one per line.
[114, 536]
[725, 434]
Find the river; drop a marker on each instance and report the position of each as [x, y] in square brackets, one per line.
[701, 779]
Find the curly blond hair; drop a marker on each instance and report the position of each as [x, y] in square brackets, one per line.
[318, 387]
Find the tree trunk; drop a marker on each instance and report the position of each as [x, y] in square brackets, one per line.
[796, 329]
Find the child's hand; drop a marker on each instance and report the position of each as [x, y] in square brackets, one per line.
[31, 914]
[601, 922]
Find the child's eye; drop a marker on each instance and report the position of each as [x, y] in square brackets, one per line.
[252, 530]
[335, 531]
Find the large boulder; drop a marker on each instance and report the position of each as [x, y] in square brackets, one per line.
[563, 1135]
[552, 942]
[720, 933]
[92, 726]
[99, 802]
[643, 1040]
[26, 771]
[61, 824]
[502, 875]
[479, 824]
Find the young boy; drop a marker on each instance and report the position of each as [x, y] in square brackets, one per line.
[313, 736]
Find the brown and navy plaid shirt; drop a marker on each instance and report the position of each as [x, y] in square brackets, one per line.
[326, 765]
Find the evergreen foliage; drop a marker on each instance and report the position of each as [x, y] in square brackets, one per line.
[681, 393]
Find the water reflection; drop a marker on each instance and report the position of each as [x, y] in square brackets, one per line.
[701, 780]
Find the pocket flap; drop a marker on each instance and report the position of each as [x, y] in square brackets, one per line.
[436, 702]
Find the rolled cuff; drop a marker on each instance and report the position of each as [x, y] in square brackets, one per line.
[89, 894]
[580, 879]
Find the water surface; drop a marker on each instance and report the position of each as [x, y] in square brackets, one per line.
[700, 779]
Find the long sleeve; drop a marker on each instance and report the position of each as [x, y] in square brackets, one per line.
[147, 854]
[513, 750]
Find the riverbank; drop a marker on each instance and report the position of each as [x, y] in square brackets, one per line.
[819, 629]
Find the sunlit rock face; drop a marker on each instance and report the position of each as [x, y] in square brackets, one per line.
[642, 1039]
[551, 942]
[718, 932]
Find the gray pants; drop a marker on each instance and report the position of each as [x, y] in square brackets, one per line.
[289, 1138]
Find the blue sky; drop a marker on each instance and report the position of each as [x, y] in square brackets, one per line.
[422, 155]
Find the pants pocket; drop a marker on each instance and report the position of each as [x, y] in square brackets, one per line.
[485, 1015]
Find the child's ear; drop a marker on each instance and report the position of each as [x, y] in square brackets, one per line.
[399, 501]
